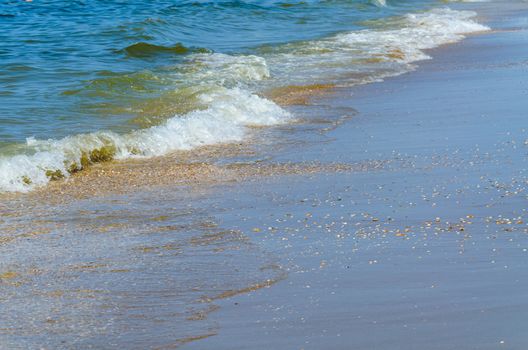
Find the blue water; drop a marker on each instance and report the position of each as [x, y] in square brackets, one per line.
[88, 81]
[51, 49]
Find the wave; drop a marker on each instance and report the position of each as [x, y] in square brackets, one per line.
[198, 69]
[369, 55]
[146, 50]
[421, 32]
[380, 3]
[219, 89]
[230, 113]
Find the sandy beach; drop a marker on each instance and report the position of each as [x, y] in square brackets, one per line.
[427, 253]
[391, 215]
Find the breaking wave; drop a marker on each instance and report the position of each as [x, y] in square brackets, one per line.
[223, 87]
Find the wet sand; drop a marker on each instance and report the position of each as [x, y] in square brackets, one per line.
[392, 216]
[430, 255]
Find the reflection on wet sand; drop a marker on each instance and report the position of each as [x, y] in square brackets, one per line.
[112, 272]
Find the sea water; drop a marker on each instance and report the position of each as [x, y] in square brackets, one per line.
[87, 81]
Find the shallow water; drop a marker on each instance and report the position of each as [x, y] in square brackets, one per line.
[85, 64]
[138, 79]
[148, 267]
[121, 272]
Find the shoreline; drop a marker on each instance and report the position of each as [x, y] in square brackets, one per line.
[227, 115]
[177, 167]
[441, 267]
[386, 244]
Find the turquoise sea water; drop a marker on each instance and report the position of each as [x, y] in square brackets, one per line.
[143, 78]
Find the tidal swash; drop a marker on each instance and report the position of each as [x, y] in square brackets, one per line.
[87, 81]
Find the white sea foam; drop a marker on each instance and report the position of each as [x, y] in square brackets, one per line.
[380, 3]
[222, 68]
[230, 109]
[226, 119]
[420, 32]
[373, 53]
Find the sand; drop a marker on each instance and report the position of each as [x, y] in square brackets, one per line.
[390, 216]
[426, 256]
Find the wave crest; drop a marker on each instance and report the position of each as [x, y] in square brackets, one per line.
[145, 50]
[221, 109]
[229, 113]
